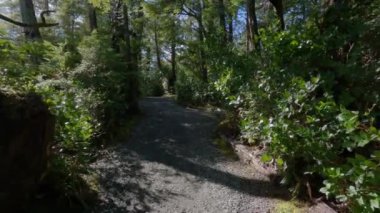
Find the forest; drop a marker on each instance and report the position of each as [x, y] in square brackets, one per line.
[298, 80]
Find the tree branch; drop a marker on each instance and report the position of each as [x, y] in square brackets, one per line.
[27, 25]
[42, 15]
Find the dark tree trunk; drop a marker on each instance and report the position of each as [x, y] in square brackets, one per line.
[222, 20]
[46, 5]
[201, 37]
[118, 30]
[278, 5]
[252, 27]
[173, 76]
[156, 44]
[230, 28]
[28, 16]
[131, 63]
[203, 68]
[127, 36]
[27, 133]
[93, 22]
[132, 54]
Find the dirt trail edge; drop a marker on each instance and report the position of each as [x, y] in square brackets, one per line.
[169, 164]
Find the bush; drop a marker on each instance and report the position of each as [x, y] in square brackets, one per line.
[309, 135]
[153, 84]
[190, 90]
[86, 89]
[310, 97]
[102, 73]
[315, 117]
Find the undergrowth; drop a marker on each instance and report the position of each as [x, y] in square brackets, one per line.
[86, 91]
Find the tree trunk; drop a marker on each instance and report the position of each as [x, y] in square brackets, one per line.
[278, 5]
[158, 54]
[27, 133]
[93, 23]
[201, 34]
[46, 5]
[203, 69]
[173, 38]
[173, 76]
[28, 16]
[132, 52]
[252, 27]
[127, 36]
[230, 28]
[118, 24]
[222, 20]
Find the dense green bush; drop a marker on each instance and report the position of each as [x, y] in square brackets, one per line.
[322, 126]
[310, 136]
[310, 97]
[103, 74]
[316, 127]
[190, 90]
[85, 89]
[153, 84]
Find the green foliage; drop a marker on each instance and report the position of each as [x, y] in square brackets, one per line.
[309, 96]
[355, 182]
[310, 134]
[314, 122]
[74, 124]
[40, 68]
[103, 72]
[86, 90]
[190, 90]
[153, 84]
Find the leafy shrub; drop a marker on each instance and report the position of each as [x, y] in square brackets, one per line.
[313, 127]
[103, 72]
[74, 123]
[310, 97]
[190, 89]
[307, 134]
[356, 182]
[86, 89]
[153, 84]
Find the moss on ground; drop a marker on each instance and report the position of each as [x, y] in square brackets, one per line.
[290, 207]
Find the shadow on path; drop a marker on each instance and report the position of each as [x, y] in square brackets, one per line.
[175, 137]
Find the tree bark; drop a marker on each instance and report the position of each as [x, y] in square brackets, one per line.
[252, 27]
[173, 76]
[28, 16]
[46, 4]
[156, 44]
[119, 29]
[27, 133]
[203, 68]
[222, 20]
[278, 5]
[230, 28]
[132, 52]
[93, 22]
[201, 33]
[127, 36]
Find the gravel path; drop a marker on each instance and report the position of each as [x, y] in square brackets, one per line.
[169, 164]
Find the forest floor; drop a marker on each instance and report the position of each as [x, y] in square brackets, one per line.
[170, 164]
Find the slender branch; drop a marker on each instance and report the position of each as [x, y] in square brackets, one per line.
[27, 25]
[42, 15]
